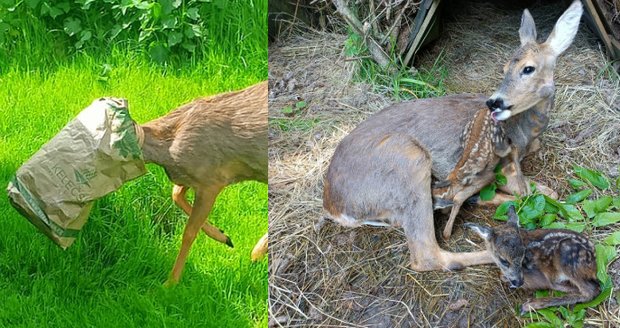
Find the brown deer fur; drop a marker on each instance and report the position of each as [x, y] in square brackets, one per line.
[206, 145]
[381, 172]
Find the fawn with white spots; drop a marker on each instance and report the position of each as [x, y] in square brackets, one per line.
[556, 259]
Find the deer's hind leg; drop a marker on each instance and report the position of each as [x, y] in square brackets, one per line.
[418, 223]
[179, 197]
[205, 197]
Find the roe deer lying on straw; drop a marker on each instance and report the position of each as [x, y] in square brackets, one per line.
[206, 145]
[557, 259]
[381, 173]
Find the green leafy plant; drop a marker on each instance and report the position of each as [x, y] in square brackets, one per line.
[161, 28]
[488, 192]
[292, 110]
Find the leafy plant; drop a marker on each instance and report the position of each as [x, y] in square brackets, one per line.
[488, 192]
[292, 110]
[161, 28]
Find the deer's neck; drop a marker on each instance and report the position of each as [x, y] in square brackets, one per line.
[158, 138]
[528, 125]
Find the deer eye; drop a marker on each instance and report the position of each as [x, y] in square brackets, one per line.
[528, 70]
[504, 262]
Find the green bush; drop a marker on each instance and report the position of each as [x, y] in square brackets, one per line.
[162, 28]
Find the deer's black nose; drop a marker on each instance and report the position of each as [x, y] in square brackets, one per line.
[494, 104]
[516, 283]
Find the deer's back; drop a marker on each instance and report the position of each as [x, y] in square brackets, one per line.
[435, 123]
[219, 139]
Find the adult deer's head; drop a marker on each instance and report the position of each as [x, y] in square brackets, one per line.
[528, 77]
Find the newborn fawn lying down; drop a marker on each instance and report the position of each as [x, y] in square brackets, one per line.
[556, 259]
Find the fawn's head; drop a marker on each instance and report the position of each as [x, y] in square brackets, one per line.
[528, 75]
[506, 246]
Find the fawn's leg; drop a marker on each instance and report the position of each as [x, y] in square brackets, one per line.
[178, 195]
[260, 249]
[461, 196]
[586, 291]
[202, 207]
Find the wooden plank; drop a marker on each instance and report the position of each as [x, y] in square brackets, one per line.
[415, 45]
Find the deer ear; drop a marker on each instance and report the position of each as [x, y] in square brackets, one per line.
[513, 218]
[565, 29]
[484, 232]
[527, 31]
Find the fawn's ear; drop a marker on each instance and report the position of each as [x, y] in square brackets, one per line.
[484, 232]
[527, 31]
[513, 218]
[565, 29]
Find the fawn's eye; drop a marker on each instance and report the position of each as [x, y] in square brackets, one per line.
[504, 262]
[528, 70]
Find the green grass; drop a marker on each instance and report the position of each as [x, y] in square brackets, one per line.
[397, 81]
[112, 275]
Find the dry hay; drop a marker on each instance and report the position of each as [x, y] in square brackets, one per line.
[340, 277]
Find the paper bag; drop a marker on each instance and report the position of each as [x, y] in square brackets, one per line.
[90, 157]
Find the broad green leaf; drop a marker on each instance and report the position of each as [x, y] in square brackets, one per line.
[576, 183]
[488, 192]
[158, 52]
[174, 38]
[547, 219]
[596, 301]
[613, 239]
[541, 293]
[534, 208]
[188, 46]
[72, 26]
[571, 213]
[604, 255]
[607, 218]
[553, 202]
[602, 203]
[589, 207]
[32, 3]
[551, 317]
[115, 31]
[192, 13]
[594, 177]
[616, 202]
[156, 10]
[578, 196]
[576, 226]
[288, 110]
[502, 209]
[550, 208]
[300, 104]
[143, 5]
[579, 315]
[556, 225]
[64, 6]
[169, 22]
[500, 179]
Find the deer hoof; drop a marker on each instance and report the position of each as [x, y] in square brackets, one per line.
[526, 307]
[229, 242]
